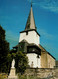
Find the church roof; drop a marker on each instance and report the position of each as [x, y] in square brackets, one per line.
[23, 41]
[30, 21]
[25, 46]
[30, 30]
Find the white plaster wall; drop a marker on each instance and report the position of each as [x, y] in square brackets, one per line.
[32, 37]
[39, 62]
[32, 57]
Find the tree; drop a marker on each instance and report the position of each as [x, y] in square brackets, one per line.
[4, 50]
[6, 56]
[21, 62]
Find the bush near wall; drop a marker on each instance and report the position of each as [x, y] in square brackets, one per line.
[3, 76]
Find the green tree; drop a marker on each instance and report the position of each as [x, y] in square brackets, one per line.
[4, 50]
[21, 62]
[9, 61]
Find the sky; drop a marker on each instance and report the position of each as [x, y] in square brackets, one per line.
[13, 18]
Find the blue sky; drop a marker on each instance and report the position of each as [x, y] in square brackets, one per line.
[14, 14]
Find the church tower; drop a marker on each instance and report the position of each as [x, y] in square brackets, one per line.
[30, 33]
[29, 43]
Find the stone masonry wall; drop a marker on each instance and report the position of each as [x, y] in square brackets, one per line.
[43, 73]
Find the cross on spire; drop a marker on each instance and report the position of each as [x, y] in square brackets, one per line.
[31, 3]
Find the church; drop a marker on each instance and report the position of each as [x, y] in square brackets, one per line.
[29, 43]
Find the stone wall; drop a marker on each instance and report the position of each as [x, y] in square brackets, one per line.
[43, 73]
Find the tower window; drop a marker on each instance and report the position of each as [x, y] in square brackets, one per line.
[27, 33]
[38, 56]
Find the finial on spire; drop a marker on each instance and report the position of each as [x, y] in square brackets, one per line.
[31, 3]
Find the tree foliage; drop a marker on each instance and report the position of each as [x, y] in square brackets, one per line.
[4, 50]
[21, 61]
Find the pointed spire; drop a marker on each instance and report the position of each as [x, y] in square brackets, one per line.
[30, 21]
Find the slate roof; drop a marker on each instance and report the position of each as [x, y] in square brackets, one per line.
[30, 21]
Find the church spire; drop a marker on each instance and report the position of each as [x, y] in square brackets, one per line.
[30, 21]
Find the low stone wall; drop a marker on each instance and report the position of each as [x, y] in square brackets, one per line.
[43, 73]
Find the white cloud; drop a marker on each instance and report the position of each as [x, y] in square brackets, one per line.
[45, 34]
[51, 5]
[12, 38]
